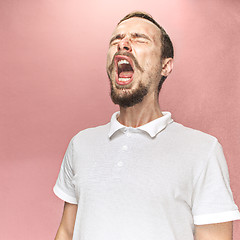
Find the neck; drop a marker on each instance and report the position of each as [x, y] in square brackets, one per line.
[141, 113]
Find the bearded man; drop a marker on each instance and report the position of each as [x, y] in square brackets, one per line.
[143, 176]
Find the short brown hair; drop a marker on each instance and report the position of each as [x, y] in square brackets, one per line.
[166, 43]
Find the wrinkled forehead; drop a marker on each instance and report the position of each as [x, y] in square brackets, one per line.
[138, 25]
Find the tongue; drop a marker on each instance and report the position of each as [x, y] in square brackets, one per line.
[127, 74]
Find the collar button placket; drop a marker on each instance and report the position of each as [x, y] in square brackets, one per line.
[128, 134]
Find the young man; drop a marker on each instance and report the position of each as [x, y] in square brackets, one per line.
[143, 176]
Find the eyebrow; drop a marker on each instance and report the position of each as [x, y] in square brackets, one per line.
[133, 35]
[140, 35]
[118, 36]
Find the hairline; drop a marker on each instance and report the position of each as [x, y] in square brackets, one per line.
[146, 20]
[166, 45]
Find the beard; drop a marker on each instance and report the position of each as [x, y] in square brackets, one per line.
[127, 97]
[123, 95]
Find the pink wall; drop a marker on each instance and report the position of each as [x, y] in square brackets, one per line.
[53, 84]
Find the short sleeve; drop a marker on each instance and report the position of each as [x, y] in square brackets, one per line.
[212, 196]
[64, 187]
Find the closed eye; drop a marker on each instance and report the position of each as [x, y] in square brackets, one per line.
[114, 42]
[115, 39]
[137, 37]
[140, 37]
[139, 40]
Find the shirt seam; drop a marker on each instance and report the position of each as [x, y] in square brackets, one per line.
[204, 167]
[72, 155]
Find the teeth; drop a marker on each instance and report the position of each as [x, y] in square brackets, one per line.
[124, 79]
[123, 61]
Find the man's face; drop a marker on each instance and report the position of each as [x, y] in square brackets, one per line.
[134, 61]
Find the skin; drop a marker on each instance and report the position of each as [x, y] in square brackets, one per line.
[218, 231]
[65, 230]
[141, 38]
[147, 52]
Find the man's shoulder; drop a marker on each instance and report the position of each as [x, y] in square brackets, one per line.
[182, 129]
[93, 133]
[191, 136]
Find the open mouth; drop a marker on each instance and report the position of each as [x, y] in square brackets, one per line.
[124, 69]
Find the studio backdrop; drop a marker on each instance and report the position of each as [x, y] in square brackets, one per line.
[54, 84]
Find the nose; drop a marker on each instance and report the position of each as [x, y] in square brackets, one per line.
[124, 45]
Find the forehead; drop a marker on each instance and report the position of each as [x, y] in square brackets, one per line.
[139, 25]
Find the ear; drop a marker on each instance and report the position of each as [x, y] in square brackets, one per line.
[167, 66]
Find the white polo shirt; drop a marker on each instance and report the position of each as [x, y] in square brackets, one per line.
[147, 183]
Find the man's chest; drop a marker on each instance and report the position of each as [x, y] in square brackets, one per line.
[135, 170]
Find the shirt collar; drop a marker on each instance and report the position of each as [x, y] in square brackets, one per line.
[152, 128]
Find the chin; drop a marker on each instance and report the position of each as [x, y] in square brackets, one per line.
[128, 97]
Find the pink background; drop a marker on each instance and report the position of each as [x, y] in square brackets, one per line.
[54, 84]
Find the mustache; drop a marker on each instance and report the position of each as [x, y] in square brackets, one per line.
[128, 54]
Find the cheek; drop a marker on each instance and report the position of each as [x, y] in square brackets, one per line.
[109, 58]
[148, 58]
[155, 59]
[112, 49]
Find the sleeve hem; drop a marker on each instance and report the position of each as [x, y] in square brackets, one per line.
[62, 195]
[216, 217]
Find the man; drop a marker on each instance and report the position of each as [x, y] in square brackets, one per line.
[143, 176]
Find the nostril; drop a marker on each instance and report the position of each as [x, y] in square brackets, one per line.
[124, 45]
[124, 48]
